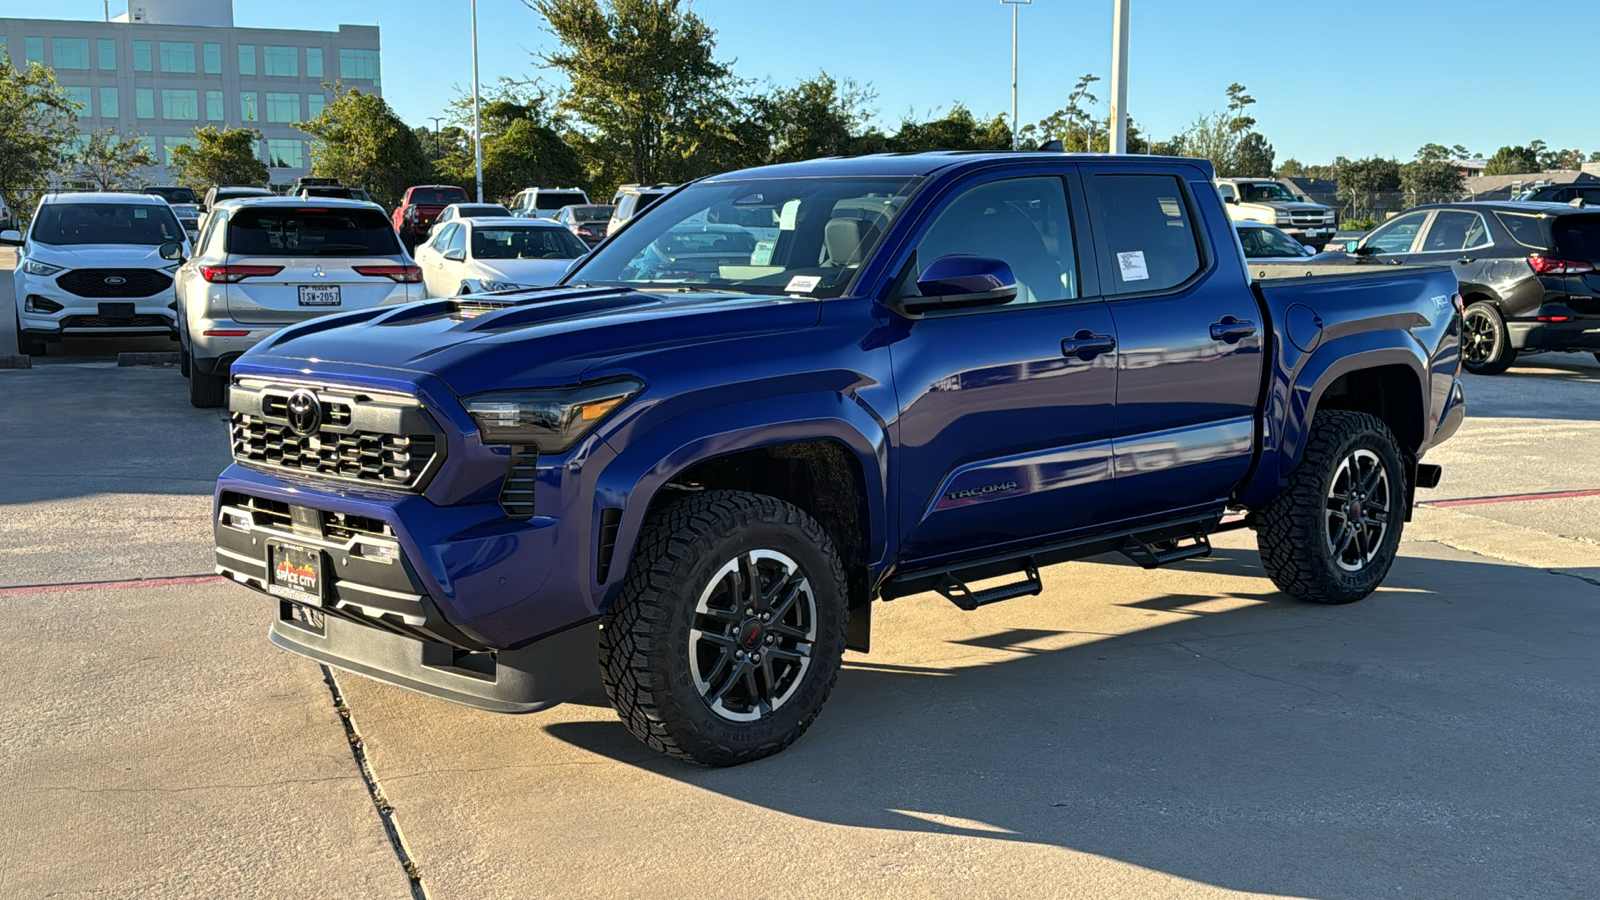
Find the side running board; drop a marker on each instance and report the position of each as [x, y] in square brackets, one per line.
[1155, 554]
[952, 588]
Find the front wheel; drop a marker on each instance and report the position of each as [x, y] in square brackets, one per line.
[729, 632]
[1332, 533]
[207, 390]
[27, 346]
[1485, 343]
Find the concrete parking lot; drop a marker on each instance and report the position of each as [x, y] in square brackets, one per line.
[1179, 733]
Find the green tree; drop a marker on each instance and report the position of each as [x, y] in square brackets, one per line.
[38, 123]
[1076, 125]
[820, 116]
[1229, 139]
[640, 72]
[1560, 160]
[1253, 157]
[958, 129]
[359, 140]
[1514, 161]
[106, 158]
[218, 157]
[1369, 176]
[1430, 176]
[1291, 168]
[1433, 153]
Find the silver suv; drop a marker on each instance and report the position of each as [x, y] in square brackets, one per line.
[261, 264]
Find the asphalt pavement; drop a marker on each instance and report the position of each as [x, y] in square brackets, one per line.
[1186, 732]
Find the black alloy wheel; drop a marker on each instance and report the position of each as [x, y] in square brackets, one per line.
[1485, 343]
[751, 636]
[1358, 510]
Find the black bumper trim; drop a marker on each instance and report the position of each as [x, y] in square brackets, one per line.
[1582, 334]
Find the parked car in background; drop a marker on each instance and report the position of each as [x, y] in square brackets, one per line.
[92, 265]
[471, 256]
[1528, 273]
[262, 264]
[7, 220]
[1268, 242]
[185, 205]
[1270, 202]
[1561, 193]
[544, 203]
[467, 211]
[422, 204]
[632, 199]
[223, 192]
[587, 221]
[331, 192]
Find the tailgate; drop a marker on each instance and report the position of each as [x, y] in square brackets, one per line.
[279, 299]
[1577, 238]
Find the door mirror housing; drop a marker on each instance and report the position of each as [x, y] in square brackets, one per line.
[1354, 248]
[959, 281]
[1233, 200]
[455, 254]
[12, 237]
[171, 251]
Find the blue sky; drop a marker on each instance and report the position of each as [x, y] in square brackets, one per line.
[1357, 80]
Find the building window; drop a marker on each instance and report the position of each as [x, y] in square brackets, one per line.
[149, 145]
[282, 61]
[70, 53]
[213, 57]
[247, 59]
[80, 96]
[249, 107]
[358, 64]
[173, 143]
[313, 62]
[182, 106]
[109, 108]
[214, 106]
[141, 56]
[177, 56]
[283, 108]
[144, 103]
[284, 154]
[33, 50]
[314, 105]
[108, 55]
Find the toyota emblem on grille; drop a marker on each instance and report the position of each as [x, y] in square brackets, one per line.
[116, 279]
[305, 413]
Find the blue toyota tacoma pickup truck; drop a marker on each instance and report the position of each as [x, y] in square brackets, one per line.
[784, 393]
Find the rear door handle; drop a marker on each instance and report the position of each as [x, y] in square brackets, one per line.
[1231, 330]
[1086, 345]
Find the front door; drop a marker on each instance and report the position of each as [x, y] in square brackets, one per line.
[1190, 338]
[1005, 412]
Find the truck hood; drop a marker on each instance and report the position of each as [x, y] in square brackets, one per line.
[550, 336]
[99, 256]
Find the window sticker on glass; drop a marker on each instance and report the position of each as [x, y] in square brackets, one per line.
[789, 215]
[763, 253]
[141, 214]
[1132, 265]
[801, 284]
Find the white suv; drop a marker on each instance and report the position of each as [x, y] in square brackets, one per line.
[544, 203]
[95, 264]
[261, 264]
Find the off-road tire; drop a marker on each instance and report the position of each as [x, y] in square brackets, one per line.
[1292, 529]
[644, 637]
[1502, 355]
[207, 390]
[28, 346]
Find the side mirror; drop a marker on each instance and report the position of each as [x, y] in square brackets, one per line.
[171, 251]
[1352, 247]
[455, 254]
[959, 281]
[1309, 251]
[1233, 200]
[11, 237]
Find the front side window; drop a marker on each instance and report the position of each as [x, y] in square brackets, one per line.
[284, 154]
[282, 61]
[283, 231]
[1150, 241]
[68, 224]
[525, 242]
[779, 236]
[283, 108]
[177, 56]
[213, 58]
[457, 241]
[1453, 230]
[141, 56]
[1022, 221]
[313, 62]
[1397, 234]
[182, 106]
[107, 51]
[247, 59]
[70, 53]
[442, 239]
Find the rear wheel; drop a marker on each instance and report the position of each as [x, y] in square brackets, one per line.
[27, 346]
[728, 635]
[1485, 343]
[207, 390]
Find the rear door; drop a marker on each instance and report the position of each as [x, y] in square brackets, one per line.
[1189, 340]
[307, 257]
[1459, 239]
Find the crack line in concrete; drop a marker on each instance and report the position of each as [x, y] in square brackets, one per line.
[386, 814]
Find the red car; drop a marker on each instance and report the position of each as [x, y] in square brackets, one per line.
[421, 205]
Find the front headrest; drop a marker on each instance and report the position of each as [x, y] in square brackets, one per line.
[843, 239]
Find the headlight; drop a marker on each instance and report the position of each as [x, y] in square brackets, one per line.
[1283, 218]
[550, 419]
[500, 286]
[34, 267]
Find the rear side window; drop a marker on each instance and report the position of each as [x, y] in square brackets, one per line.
[1527, 230]
[1453, 230]
[1578, 237]
[438, 196]
[292, 231]
[1150, 243]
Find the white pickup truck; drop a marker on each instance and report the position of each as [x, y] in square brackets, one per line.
[1268, 201]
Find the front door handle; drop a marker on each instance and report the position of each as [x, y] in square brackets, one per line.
[1231, 330]
[1465, 260]
[1086, 345]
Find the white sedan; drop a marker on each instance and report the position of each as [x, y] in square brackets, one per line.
[471, 256]
[1263, 242]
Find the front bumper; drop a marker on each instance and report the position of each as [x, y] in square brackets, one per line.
[88, 317]
[1309, 235]
[1582, 334]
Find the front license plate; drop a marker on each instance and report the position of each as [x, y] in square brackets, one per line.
[294, 573]
[319, 295]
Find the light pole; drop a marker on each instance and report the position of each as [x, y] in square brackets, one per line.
[477, 118]
[1014, 4]
[436, 120]
[1119, 77]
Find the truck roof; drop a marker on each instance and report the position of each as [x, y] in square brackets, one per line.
[927, 163]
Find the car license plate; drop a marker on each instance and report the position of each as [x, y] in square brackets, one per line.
[319, 295]
[294, 573]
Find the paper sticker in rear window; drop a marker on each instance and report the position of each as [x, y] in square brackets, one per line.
[1132, 266]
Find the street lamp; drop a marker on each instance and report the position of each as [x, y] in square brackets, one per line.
[477, 118]
[1119, 76]
[1014, 4]
[436, 120]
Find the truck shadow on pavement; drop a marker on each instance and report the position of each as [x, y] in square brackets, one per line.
[1435, 740]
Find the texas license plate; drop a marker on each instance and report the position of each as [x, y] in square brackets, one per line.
[319, 295]
[294, 573]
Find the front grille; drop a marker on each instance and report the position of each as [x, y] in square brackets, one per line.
[105, 283]
[375, 438]
[263, 513]
[516, 495]
[98, 322]
[342, 527]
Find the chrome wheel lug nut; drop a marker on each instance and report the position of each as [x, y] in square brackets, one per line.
[769, 638]
[739, 655]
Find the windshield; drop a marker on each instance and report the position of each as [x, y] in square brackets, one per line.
[437, 196]
[558, 199]
[479, 212]
[1265, 243]
[106, 223]
[524, 242]
[1265, 192]
[173, 194]
[302, 231]
[762, 236]
[591, 213]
